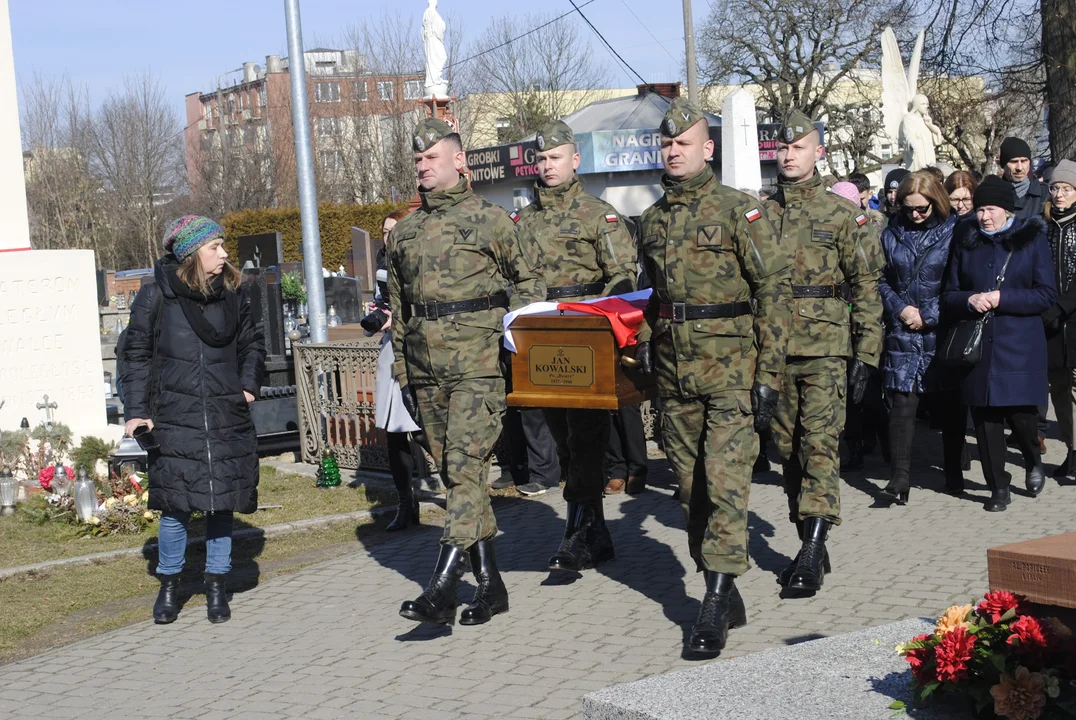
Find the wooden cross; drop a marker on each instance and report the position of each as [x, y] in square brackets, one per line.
[48, 407]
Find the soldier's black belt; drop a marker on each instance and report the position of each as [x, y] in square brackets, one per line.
[682, 312]
[569, 291]
[821, 291]
[434, 310]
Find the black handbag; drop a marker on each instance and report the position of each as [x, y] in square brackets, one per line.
[963, 347]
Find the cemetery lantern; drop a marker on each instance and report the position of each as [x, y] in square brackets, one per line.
[85, 496]
[9, 490]
[61, 484]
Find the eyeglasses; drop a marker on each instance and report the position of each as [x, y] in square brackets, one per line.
[1062, 190]
[913, 209]
[960, 200]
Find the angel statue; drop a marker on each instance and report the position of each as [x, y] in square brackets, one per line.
[433, 42]
[905, 112]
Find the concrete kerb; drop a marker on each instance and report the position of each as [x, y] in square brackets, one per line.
[278, 529]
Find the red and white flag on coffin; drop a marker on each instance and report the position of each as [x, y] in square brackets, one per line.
[625, 313]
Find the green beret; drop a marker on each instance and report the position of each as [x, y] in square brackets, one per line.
[429, 132]
[553, 135]
[794, 126]
[680, 116]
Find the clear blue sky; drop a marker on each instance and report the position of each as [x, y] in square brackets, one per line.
[187, 44]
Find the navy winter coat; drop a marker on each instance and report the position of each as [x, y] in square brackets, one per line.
[208, 458]
[1013, 368]
[907, 364]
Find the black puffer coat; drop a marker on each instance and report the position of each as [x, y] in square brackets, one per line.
[208, 458]
[1059, 320]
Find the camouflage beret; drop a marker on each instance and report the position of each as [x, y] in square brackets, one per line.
[680, 116]
[429, 132]
[553, 135]
[794, 126]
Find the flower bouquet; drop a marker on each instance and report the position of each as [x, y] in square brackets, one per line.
[998, 655]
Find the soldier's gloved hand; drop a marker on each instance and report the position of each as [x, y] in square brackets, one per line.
[407, 393]
[858, 374]
[763, 406]
[642, 356]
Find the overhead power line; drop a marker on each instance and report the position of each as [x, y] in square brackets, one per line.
[645, 27]
[602, 38]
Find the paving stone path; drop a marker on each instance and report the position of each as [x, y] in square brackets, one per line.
[327, 642]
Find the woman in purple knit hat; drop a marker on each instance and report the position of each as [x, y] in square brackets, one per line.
[192, 362]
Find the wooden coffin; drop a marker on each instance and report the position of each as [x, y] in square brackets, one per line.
[572, 361]
[1043, 569]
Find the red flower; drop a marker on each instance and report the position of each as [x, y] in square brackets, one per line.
[997, 603]
[953, 654]
[919, 659]
[1033, 638]
[44, 477]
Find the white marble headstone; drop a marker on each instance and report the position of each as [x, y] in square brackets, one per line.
[50, 340]
[740, 167]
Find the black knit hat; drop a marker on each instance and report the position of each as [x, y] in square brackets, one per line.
[1012, 147]
[995, 191]
[892, 180]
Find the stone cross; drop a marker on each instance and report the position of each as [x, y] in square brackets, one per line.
[740, 168]
[48, 407]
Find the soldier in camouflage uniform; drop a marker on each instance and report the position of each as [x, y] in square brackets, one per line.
[450, 263]
[838, 260]
[586, 252]
[710, 252]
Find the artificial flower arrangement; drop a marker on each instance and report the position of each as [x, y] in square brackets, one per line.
[998, 655]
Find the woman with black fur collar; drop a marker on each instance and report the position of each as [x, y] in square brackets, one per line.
[1009, 382]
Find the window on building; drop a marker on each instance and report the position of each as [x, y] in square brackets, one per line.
[325, 127]
[325, 92]
[207, 112]
[332, 161]
[231, 106]
[263, 96]
[359, 92]
[412, 90]
[384, 90]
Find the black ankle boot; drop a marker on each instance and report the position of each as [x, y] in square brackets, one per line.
[216, 599]
[408, 511]
[722, 609]
[586, 540]
[166, 608]
[491, 596]
[810, 570]
[790, 569]
[999, 500]
[1035, 480]
[437, 603]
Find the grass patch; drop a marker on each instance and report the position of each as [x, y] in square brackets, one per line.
[63, 605]
[23, 542]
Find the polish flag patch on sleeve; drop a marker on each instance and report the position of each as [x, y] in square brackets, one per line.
[861, 220]
[611, 217]
[514, 215]
[752, 215]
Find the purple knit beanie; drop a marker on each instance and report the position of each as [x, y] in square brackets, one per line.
[190, 232]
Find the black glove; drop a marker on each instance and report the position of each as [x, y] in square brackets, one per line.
[1051, 319]
[411, 403]
[763, 406]
[642, 356]
[858, 374]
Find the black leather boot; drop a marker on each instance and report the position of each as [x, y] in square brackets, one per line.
[1035, 480]
[855, 457]
[999, 500]
[408, 511]
[586, 540]
[897, 488]
[491, 596]
[437, 603]
[166, 608]
[216, 599]
[722, 609]
[810, 570]
[786, 574]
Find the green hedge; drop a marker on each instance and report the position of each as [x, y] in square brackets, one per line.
[335, 221]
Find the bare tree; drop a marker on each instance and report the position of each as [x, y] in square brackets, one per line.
[1059, 57]
[527, 82]
[137, 155]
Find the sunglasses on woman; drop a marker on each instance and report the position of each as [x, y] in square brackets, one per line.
[913, 209]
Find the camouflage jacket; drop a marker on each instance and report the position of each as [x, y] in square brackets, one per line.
[582, 240]
[457, 246]
[834, 243]
[704, 243]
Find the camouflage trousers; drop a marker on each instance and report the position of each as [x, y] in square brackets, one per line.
[806, 430]
[462, 421]
[582, 438]
[711, 444]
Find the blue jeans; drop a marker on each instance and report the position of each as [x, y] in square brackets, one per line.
[172, 542]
